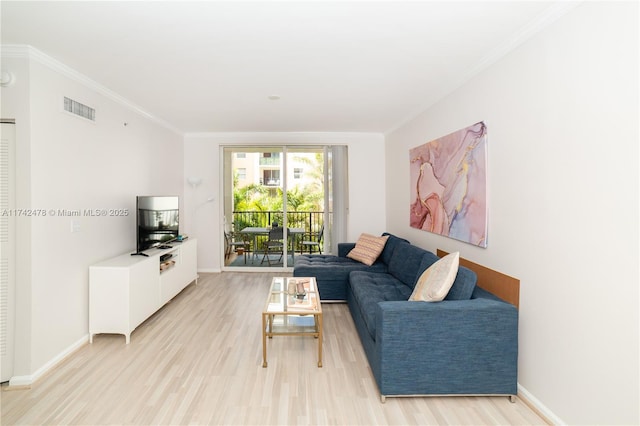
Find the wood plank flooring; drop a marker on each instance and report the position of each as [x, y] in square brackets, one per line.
[199, 361]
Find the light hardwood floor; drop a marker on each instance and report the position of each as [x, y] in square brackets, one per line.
[199, 361]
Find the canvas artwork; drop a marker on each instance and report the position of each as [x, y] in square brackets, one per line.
[449, 185]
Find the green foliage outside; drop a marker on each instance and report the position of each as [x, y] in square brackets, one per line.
[300, 199]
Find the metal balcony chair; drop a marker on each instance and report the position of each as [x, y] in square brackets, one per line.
[233, 244]
[274, 245]
[313, 242]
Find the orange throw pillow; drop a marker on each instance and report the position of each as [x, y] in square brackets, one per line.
[368, 248]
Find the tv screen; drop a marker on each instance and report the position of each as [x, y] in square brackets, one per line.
[157, 220]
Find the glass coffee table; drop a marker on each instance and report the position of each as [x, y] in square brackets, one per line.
[292, 309]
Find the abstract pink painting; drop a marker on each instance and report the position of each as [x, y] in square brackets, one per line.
[449, 185]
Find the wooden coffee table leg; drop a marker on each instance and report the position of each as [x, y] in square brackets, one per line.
[264, 341]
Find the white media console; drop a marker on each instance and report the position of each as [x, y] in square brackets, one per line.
[126, 290]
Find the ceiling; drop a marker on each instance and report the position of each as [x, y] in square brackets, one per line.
[361, 66]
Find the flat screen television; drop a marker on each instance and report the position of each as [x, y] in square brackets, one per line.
[157, 221]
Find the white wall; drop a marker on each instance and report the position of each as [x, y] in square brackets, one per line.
[202, 159]
[67, 163]
[562, 117]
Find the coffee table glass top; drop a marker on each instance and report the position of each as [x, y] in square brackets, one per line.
[290, 311]
[285, 296]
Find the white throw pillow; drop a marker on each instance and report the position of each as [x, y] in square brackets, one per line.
[436, 281]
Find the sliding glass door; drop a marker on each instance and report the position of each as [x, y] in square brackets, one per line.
[278, 203]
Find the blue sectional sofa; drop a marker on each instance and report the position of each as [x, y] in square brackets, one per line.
[465, 345]
[332, 272]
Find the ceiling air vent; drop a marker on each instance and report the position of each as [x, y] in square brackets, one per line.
[79, 109]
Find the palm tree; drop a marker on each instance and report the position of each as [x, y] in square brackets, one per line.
[315, 171]
[261, 198]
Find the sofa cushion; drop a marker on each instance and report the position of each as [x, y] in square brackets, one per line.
[331, 272]
[368, 248]
[391, 245]
[463, 286]
[323, 259]
[405, 262]
[434, 283]
[369, 288]
[345, 248]
[331, 267]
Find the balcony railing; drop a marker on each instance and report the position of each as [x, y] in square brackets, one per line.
[310, 221]
[270, 182]
[270, 161]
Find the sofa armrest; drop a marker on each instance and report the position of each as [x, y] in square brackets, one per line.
[345, 248]
[448, 347]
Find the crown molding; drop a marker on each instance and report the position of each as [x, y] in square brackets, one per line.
[15, 51]
[548, 16]
[540, 22]
[30, 52]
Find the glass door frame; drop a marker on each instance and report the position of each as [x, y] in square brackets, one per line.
[227, 204]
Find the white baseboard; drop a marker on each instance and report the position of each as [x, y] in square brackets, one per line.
[30, 379]
[210, 270]
[18, 381]
[535, 403]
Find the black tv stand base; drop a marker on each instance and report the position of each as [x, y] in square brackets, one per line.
[140, 254]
